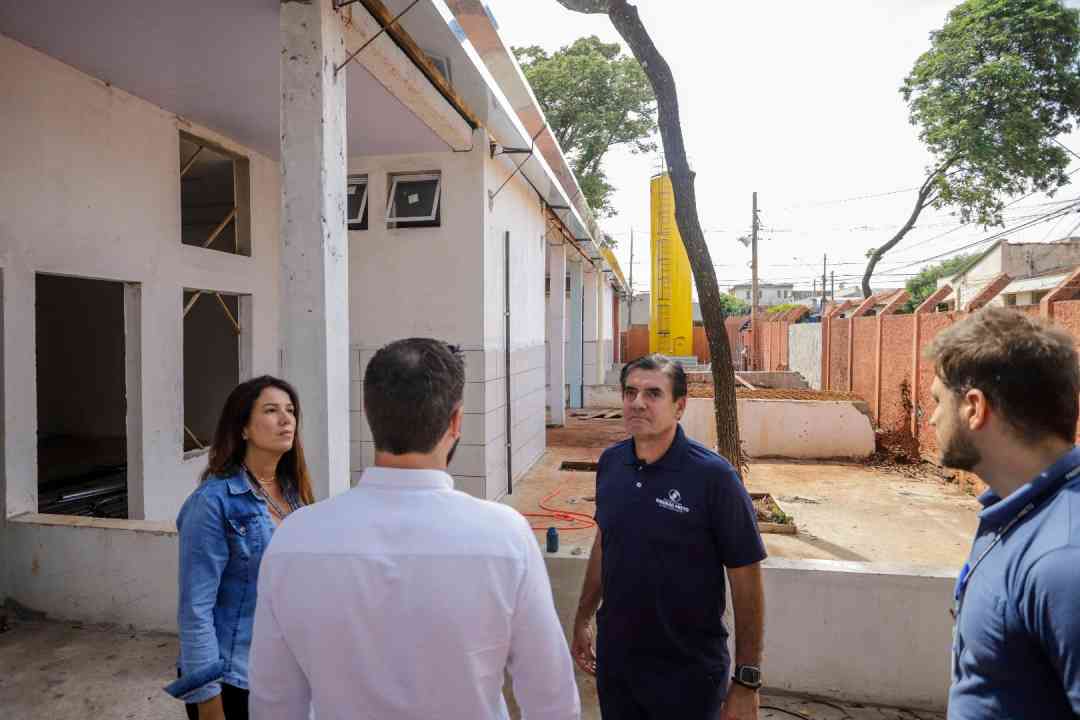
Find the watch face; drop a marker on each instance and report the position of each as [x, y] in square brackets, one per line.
[749, 675]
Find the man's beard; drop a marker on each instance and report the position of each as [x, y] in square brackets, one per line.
[960, 453]
[453, 449]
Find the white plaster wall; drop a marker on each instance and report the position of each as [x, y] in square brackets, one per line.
[592, 332]
[516, 210]
[804, 352]
[448, 282]
[608, 328]
[420, 282]
[91, 570]
[555, 330]
[806, 429]
[979, 274]
[856, 632]
[89, 186]
[603, 396]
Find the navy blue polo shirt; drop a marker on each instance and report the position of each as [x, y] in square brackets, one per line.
[668, 530]
[1016, 650]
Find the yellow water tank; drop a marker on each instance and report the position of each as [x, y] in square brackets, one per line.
[671, 320]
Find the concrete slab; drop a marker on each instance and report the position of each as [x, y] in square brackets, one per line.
[62, 671]
[66, 671]
[853, 512]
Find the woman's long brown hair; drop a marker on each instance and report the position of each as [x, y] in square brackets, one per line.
[228, 449]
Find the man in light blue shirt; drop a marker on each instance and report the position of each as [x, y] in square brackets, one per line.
[1007, 392]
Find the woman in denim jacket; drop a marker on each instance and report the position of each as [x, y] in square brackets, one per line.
[255, 477]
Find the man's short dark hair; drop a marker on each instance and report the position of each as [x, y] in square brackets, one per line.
[655, 361]
[411, 389]
[1027, 370]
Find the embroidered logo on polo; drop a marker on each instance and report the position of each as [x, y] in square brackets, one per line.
[673, 502]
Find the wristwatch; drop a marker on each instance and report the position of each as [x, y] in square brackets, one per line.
[748, 676]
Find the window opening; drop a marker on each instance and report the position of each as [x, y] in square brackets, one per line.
[211, 361]
[81, 397]
[357, 196]
[414, 200]
[214, 197]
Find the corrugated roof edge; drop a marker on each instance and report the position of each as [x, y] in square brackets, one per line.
[473, 22]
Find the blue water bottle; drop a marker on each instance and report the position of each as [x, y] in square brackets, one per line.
[552, 540]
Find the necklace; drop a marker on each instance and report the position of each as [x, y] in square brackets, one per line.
[274, 507]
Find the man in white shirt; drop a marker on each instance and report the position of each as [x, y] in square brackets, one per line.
[404, 598]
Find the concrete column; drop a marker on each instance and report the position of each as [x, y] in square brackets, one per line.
[593, 333]
[556, 322]
[575, 348]
[314, 258]
[603, 320]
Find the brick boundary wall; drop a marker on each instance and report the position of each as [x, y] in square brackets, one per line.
[884, 355]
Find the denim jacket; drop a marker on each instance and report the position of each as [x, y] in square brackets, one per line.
[224, 529]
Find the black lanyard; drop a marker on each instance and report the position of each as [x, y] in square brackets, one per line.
[966, 572]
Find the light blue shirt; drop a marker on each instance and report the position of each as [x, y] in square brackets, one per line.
[1017, 647]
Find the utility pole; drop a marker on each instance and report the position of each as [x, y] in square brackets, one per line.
[824, 269]
[630, 311]
[754, 289]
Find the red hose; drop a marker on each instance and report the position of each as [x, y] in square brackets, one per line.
[577, 520]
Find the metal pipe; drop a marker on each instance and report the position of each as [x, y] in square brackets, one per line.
[93, 492]
[509, 413]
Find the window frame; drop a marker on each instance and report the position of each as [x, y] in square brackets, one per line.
[352, 182]
[433, 216]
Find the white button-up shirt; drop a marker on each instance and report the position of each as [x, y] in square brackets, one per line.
[404, 598]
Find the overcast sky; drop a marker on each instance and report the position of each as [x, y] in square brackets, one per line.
[798, 101]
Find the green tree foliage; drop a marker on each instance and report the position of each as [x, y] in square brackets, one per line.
[731, 305]
[595, 97]
[783, 307]
[920, 286]
[1000, 82]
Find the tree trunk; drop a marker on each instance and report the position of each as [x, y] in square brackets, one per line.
[626, 20]
[875, 257]
[924, 199]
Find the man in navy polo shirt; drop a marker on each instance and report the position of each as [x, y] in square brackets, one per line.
[672, 516]
[1007, 403]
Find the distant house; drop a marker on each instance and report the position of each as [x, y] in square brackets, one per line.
[1034, 269]
[768, 293]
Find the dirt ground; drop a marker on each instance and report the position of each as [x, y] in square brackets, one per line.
[843, 511]
[65, 671]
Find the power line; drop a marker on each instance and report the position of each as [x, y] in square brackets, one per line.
[1045, 218]
[1067, 148]
[895, 271]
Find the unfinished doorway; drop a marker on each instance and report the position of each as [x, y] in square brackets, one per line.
[213, 360]
[81, 397]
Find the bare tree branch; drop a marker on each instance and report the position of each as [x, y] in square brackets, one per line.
[928, 193]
